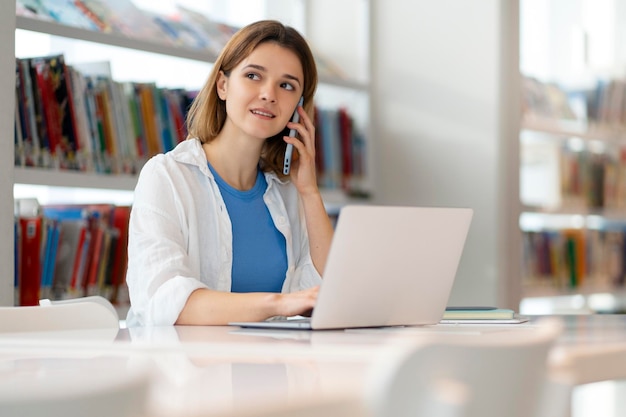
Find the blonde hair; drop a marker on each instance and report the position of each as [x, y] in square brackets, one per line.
[207, 114]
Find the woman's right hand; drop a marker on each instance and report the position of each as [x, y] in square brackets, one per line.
[299, 303]
[209, 307]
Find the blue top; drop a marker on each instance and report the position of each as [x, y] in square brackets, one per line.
[259, 248]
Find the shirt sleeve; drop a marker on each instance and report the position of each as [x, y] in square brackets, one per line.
[160, 276]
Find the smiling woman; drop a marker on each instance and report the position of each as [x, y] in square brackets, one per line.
[269, 37]
[261, 94]
[217, 233]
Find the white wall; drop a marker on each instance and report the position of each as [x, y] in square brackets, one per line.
[445, 94]
[7, 91]
[340, 31]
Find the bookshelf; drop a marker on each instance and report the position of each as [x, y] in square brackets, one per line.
[112, 39]
[7, 88]
[559, 210]
[68, 178]
[336, 92]
[573, 159]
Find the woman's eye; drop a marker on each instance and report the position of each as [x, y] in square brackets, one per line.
[252, 76]
[288, 86]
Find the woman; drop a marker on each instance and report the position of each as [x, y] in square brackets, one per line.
[217, 233]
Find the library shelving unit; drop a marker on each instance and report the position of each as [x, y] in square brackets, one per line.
[573, 190]
[573, 156]
[330, 86]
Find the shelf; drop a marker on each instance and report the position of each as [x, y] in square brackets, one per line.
[607, 212]
[575, 128]
[113, 39]
[538, 291]
[333, 199]
[344, 83]
[574, 302]
[74, 179]
[541, 221]
[584, 300]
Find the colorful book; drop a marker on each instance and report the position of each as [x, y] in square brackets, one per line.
[216, 34]
[32, 141]
[319, 145]
[61, 11]
[100, 285]
[45, 83]
[180, 33]
[30, 260]
[121, 216]
[83, 132]
[64, 101]
[136, 131]
[71, 224]
[122, 17]
[50, 243]
[39, 115]
[17, 244]
[19, 158]
[69, 242]
[345, 138]
[149, 117]
[80, 263]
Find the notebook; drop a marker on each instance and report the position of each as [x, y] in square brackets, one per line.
[481, 315]
[387, 266]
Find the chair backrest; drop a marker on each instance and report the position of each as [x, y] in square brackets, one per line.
[77, 314]
[494, 374]
[75, 388]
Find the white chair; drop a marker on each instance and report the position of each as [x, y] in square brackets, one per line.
[31, 387]
[86, 313]
[43, 380]
[492, 375]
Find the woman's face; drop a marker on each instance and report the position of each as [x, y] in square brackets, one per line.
[262, 92]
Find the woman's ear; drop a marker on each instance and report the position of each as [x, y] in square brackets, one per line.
[221, 85]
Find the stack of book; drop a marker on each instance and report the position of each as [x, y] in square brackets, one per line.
[69, 251]
[67, 119]
[575, 258]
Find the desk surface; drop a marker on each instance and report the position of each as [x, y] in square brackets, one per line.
[200, 369]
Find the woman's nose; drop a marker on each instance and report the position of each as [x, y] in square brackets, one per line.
[268, 94]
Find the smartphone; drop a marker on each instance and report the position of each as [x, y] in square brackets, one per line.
[292, 133]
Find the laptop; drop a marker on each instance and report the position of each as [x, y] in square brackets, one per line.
[387, 266]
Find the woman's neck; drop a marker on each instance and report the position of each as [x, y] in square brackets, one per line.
[236, 162]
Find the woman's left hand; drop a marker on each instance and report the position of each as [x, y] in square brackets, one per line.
[303, 173]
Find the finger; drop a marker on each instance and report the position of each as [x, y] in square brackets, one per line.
[303, 133]
[306, 143]
[300, 147]
[309, 126]
[304, 118]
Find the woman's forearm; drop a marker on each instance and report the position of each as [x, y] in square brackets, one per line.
[210, 307]
[319, 228]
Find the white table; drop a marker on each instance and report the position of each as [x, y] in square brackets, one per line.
[209, 369]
